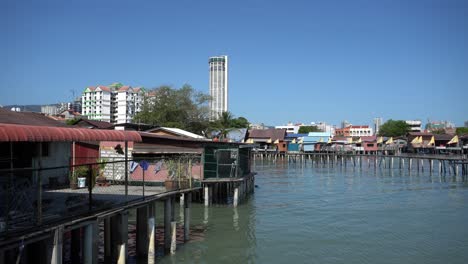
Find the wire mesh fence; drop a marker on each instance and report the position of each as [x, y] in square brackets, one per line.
[31, 197]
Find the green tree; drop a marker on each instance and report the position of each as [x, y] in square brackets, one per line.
[240, 122]
[462, 130]
[227, 123]
[307, 129]
[182, 108]
[394, 128]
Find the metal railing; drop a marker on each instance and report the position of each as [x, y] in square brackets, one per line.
[32, 197]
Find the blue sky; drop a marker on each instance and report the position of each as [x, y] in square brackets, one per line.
[298, 61]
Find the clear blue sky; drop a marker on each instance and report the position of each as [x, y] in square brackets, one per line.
[298, 61]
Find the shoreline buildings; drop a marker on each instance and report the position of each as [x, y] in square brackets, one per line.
[218, 67]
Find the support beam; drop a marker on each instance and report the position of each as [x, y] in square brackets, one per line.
[151, 233]
[173, 237]
[119, 226]
[57, 250]
[236, 196]
[187, 206]
[142, 233]
[167, 224]
[207, 195]
[90, 247]
[75, 246]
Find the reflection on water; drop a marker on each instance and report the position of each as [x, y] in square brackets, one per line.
[305, 214]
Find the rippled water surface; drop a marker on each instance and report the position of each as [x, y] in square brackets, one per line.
[304, 214]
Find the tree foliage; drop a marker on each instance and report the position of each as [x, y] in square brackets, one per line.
[394, 128]
[227, 122]
[307, 129]
[462, 130]
[182, 108]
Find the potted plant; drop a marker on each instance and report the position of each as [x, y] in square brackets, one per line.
[99, 173]
[171, 182]
[78, 175]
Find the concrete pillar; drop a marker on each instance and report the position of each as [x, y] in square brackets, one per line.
[236, 196]
[207, 195]
[182, 199]
[167, 224]
[173, 237]
[57, 250]
[119, 226]
[187, 205]
[151, 233]
[90, 246]
[142, 233]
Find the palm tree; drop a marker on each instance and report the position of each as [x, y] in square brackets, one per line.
[224, 124]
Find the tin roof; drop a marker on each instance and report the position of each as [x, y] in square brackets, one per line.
[271, 133]
[27, 118]
[16, 133]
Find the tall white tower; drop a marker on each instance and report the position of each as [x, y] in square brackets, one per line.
[218, 67]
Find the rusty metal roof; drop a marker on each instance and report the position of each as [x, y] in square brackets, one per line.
[28, 118]
[16, 133]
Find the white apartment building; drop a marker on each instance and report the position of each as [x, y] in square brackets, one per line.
[128, 102]
[111, 105]
[415, 125]
[218, 67]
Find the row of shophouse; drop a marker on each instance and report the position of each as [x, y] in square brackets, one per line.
[356, 139]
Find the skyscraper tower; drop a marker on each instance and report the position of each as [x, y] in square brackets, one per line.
[218, 86]
[378, 121]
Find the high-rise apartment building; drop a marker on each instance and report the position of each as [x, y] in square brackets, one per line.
[218, 67]
[378, 121]
[414, 125]
[111, 104]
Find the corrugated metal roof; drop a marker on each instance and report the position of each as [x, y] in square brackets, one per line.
[271, 133]
[142, 148]
[319, 134]
[27, 118]
[293, 135]
[16, 133]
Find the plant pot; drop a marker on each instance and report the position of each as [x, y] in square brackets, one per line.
[81, 182]
[171, 185]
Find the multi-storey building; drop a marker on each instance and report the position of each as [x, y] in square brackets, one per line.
[96, 103]
[128, 102]
[354, 131]
[290, 128]
[218, 67]
[378, 121]
[414, 125]
[115, 105]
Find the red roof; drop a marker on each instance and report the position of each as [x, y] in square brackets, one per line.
[16, 133]
[104, 88]
[124, 88]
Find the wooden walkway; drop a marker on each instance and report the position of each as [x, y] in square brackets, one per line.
[451, 165]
